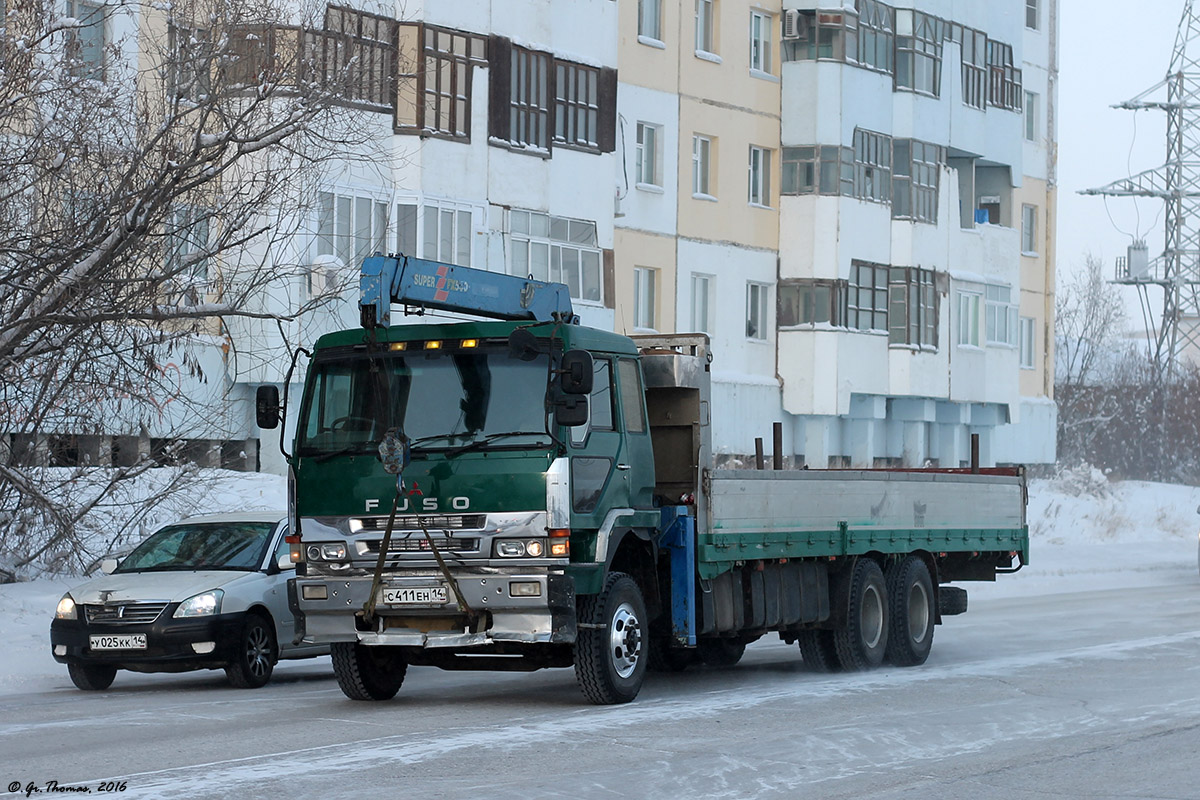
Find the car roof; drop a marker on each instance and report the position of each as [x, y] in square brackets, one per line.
[235, 516]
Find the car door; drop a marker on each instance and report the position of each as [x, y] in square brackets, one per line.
[275, 596]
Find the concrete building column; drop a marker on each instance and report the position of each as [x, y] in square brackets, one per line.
[916, 442]
[814, 441]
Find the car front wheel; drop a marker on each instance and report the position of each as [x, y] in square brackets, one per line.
[91, 677]
[255, 654]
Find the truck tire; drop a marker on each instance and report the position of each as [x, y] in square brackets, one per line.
[254, 655]
[611, 654]
[952, 600]
[91, 677]
[720, 652]
[910, 611]
[368, 673]
[861, 641]
[818, 651]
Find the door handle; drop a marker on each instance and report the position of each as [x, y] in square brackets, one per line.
[622, 466]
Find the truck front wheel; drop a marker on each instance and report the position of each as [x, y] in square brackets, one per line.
[368, 673]
[612, 650]
[862, 641]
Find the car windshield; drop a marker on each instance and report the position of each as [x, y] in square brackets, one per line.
[437, 399]
[209, 545]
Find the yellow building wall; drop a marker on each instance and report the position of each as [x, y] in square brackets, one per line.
[634, 248]
[1037, 285]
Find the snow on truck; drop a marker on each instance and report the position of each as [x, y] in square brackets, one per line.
[527, 492]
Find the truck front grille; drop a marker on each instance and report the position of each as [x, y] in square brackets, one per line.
[431, 522]
[127, 614]
[419, 544]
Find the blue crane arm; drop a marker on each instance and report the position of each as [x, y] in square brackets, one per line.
[433, 285]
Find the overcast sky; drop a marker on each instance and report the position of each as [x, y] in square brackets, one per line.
[1111, 51]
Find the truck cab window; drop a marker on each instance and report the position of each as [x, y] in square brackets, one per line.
[632, 407]
[600, 406]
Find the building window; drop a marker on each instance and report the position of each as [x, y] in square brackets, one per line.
[1029, 229]
[973, 46]
[650, 19]
[355, 53]
[188, 246]
[876, 35]
[1004, 80]
[913, 307]
[1031, 14]
[644, 301]
[350, 227]
[1031, 109]
[436, 231]
[446, 84]
[760, 176]
[645, 168]
[818, 170]
[867, 297]
[557, 249]
[872, 166]
[821, 35]
[919, 54]
[915, 176]
[86, 42]
[190, 70]
[529, 99]
[1001, 315]
[1028, 341]
[701, 159]
[756, 310]
[760, 42]
[809, 302]
[576, 105]
[705, 17]
[702, 286]
[968, 318]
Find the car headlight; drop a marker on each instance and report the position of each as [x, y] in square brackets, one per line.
[201, 605]
[513, 548]
[66, 608]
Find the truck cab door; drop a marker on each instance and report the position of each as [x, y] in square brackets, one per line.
[637, 452]
[596, 450]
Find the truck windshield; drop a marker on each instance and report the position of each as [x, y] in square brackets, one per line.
[224, 545]
[439, 400]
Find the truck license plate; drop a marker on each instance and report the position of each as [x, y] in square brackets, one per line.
[415, 595]
[125, 641]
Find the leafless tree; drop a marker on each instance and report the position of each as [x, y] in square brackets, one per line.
[152, 185]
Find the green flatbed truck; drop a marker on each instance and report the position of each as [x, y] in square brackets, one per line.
[526, 492]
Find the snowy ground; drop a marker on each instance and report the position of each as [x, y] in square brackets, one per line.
[1074, 678]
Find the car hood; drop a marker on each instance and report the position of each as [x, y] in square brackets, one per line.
[154, 587]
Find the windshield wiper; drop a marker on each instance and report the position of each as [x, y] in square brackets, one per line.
[479, 444]
[353, 448]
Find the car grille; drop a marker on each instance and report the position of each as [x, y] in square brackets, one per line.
[419, 544]
[416, 522]
[127, 614]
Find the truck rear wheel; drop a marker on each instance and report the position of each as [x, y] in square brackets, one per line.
[611, 653]
[910, 607]
[862, 641]
[818, 651]
[368, 673]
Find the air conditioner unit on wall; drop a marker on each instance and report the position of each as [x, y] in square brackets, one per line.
[795, 24]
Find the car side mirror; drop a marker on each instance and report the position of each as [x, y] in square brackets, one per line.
[285, 563]
[575, 373]
[109, 565]
[266, 407]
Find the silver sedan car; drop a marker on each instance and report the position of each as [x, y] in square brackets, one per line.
[205, 593]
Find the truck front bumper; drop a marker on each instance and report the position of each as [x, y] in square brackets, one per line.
[548, 617]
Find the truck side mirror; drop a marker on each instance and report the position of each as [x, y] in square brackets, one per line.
[571, 410]
[266, 407]
[575, 373]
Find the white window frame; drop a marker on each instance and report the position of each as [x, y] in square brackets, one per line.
[645, 300]
[969, 302]
[758, 190]
[706, 27]
[702, 166]
[650, 20]
[1029, 218]
[647, 169]
[1032, 14]
[1027, 338]
[756, 310]
[1000, 316]
[351, 226]
[1031, 116]
[561, 249]
[89, 41]
[761, 30]
[702, 303]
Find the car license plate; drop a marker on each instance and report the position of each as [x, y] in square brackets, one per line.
[124, 641]
[415, 595]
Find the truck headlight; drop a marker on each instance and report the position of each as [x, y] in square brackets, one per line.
[66, 608]
[516, 548]
[326, 552]
[205, 604]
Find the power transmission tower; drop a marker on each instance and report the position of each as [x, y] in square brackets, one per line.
[1177, 184]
